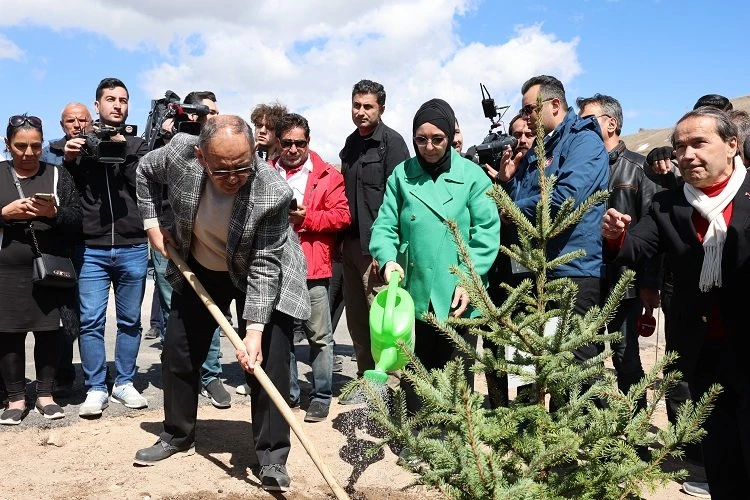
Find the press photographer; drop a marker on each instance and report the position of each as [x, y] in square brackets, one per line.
[114, 250]
[168, 116]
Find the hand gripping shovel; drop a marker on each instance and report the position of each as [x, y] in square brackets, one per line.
[265, 382]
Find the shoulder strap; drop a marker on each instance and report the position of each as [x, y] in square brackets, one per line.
[38, 252]
[15, 180]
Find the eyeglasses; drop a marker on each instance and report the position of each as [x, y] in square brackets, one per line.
[288, 143]
[18, 120]
[436, 141]
[529, 108]
[241, 173]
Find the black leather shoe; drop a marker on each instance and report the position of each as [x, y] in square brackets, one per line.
[51, 411]
[159, 451]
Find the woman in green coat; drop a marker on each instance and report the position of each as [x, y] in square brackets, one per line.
[410, 234]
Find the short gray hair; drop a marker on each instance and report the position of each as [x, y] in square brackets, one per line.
[235, 124]
[610, 106]
[724, 126]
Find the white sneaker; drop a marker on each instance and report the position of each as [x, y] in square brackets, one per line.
[96, 401]
[696, 489]
[243, 389]
[128, 396]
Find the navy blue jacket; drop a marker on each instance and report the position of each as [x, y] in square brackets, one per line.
[577, 156]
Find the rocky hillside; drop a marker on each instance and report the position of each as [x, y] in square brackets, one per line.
[645, 140]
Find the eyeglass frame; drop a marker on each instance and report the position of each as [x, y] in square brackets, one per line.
[243, 172]
[430, 140]
[294, 142]
[532, 107]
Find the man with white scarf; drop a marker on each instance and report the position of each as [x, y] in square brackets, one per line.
[704, 228]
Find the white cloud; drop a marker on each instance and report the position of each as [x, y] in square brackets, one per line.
[9, 50]
[309, 54]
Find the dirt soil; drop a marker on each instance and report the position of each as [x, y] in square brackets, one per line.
[91, 459]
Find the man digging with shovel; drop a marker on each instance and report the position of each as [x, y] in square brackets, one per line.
[231, 227]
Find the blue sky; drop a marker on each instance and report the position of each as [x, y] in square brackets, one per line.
[656, 57]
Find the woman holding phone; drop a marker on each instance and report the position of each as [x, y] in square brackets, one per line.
[37, 201]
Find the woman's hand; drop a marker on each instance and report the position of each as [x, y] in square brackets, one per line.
[43, 208]
[391, 266]
[16, 210]
[461, 301]
[253, 353]
[28, 208]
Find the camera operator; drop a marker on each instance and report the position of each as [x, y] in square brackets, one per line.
[114, 251]
[75, 120]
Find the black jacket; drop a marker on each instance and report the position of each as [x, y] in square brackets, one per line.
[366, 163]
[108, 197]
[630, 192]
[668, 228]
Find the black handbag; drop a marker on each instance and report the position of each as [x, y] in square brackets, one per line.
[49, 270]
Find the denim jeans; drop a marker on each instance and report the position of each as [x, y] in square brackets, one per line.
[211, 368]
[123, 267]
[320, 336]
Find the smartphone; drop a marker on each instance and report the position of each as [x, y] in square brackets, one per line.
[293, 204]
[44, 196]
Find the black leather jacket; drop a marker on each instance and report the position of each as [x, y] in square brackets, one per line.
[630, 192]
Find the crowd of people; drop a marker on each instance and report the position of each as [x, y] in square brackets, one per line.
[264, 222]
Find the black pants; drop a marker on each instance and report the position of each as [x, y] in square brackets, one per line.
[187, 341]
[434, 350]
[726, 446]
[13, 363]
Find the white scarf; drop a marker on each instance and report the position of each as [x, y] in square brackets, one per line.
[712, 209]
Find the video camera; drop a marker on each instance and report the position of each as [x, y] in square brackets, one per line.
[171, 107]
[100, 146]
[493, 145]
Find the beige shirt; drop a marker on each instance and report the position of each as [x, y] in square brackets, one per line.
[211, 229]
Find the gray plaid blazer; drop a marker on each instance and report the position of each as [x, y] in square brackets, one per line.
[263, 254]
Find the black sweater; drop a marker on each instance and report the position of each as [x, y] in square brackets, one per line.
[108, 198]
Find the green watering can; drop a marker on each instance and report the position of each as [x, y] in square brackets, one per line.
[391, 320]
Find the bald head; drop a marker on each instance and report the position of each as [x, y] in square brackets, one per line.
[75, 119]
[224, 125]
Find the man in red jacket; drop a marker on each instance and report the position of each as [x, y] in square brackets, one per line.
[322, 210]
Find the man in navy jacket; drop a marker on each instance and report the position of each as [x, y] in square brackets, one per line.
[577, 157]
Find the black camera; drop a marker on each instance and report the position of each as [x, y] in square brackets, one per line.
[171, 107]
[100, 146]
[491, 149]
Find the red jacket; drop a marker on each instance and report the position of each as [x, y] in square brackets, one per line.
[327, 213]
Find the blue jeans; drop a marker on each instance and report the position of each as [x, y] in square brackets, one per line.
[124, 267]
[211, 368]
[320, 336]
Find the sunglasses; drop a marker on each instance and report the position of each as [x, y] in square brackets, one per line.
[435, 141]
[241, 173]
[530, 108]
[288, 143]
[18, 120]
